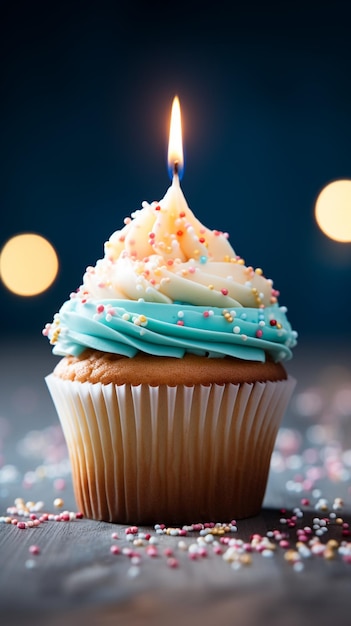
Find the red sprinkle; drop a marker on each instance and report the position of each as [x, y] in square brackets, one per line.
[273, 322]
[21, 525]
[224, 291]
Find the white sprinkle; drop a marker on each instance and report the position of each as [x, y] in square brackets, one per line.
[267, 553]
[133, 571]
[153, 540]
[298, 566]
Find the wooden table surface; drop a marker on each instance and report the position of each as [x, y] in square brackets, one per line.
[77, 577]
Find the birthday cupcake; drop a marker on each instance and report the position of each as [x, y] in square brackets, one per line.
[171, 388]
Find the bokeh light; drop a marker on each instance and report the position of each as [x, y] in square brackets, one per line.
[28, 264]
[333, 210]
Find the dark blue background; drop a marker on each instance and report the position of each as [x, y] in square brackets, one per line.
[266, 100]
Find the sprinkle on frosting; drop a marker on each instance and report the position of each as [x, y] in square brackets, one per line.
[162, 266]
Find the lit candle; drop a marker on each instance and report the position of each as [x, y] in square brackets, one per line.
[174, 199]
[175, 144]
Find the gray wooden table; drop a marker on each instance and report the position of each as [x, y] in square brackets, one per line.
[77, 577]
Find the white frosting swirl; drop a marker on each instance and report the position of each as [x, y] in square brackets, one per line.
[164, 254]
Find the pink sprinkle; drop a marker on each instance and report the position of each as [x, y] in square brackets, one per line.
[206, 314]
[79, 515]
[305, 502]
[170, 262]
[284, 543]
[100, 308]
[59, 484]
[151, 551]
[168, 552]
[197, 527]
[224, 291]
[152, 235]
[34, 549]
[21, 525]
[259, 333]
[180, 323]
[128, 552]
[132, 530]
[172, 562]
[115, 550]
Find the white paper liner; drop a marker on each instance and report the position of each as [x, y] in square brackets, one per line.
[143, 454]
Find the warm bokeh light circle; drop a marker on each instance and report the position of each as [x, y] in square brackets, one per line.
[28, 264]
[333, 210]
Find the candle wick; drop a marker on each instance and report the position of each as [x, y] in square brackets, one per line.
[175, 167]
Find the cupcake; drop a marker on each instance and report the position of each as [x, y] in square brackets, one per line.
[171, 386]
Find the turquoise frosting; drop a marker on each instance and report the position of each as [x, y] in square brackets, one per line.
[126, 327]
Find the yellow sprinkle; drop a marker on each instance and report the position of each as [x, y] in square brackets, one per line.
[329, 554]
[142, 318]
[210, 287]
[291, 555]
[58, 503]
[245, 559]
[241, 261]
[259, 271]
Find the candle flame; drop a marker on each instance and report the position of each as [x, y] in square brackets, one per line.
[175, 144]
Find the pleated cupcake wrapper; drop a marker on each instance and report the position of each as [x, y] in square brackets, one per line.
[143, 454]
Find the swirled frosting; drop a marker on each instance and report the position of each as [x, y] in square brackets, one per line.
[168, 285]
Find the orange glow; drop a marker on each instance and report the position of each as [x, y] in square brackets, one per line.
[28, 264]
[333, 210]
[175, 144]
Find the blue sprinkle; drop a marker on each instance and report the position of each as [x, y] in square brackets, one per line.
[203, 259]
